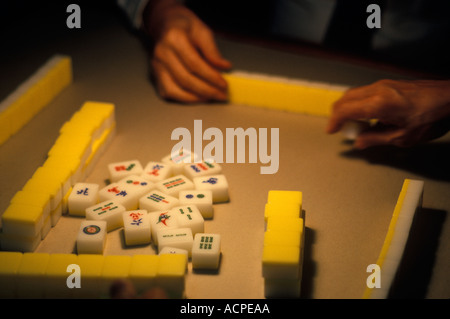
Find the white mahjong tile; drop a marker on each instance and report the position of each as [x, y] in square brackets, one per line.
[137, 182]
[201, 169]
[137, 186]
[178, 159]
[173, 250]
[176, 237]
[160, 221]
[120, 193]
[216, 183]
[189, 216]
[82, 196]
[202, 199]
[136, 225]
[109, 211]
[119, 170]
[157, 171]
[206, 251]
[157, 201]
[91, 238]
[173, 185]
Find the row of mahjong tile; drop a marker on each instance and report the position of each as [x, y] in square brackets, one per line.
[86, 135]
[408, 204]
[280, 93]
[19, 107]
[41, 201]
[282, 257]
[43, 275]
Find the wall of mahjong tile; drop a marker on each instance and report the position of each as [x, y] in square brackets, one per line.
[348, 196]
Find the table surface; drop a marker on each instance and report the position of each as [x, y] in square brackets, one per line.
[348, 196]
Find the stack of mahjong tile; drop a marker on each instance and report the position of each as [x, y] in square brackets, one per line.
[164, 203]
[282, 258]
[409, 202]
[18, 108]
[274, 92]
[43, 199]
[42, 275]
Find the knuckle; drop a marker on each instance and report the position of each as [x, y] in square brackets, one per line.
[173, 35]
[207, 32]
[338, 105]
[159, 52]
[399, 139]
[378, 100]
[384, 83]
[183, 81]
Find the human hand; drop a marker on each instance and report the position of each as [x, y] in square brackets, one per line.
[186, 62]
[124, 289]
[407, 112]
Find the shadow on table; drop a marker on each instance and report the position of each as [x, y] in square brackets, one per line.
[415, 269]
[431, 160]
[309, 266]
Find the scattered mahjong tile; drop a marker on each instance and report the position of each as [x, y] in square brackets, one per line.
[202, 169]
[206, 251]
[137, 227]
[91, 238]
[157, 171]
[217, 184]
[109, 211]
[203, 200]
[119, 170]
[157, 201]
[173, 185]
[83, 195]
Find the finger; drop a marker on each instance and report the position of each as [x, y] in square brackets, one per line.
[350, 110]
[122, 289]
[361, 92]
[169, 89]
[372, 138]
[195, 63]
[206, 43]
[385, 87]
[189, 82]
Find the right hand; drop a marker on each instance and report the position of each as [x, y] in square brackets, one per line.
[186, 62]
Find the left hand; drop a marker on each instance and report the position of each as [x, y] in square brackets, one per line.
[408, 112]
